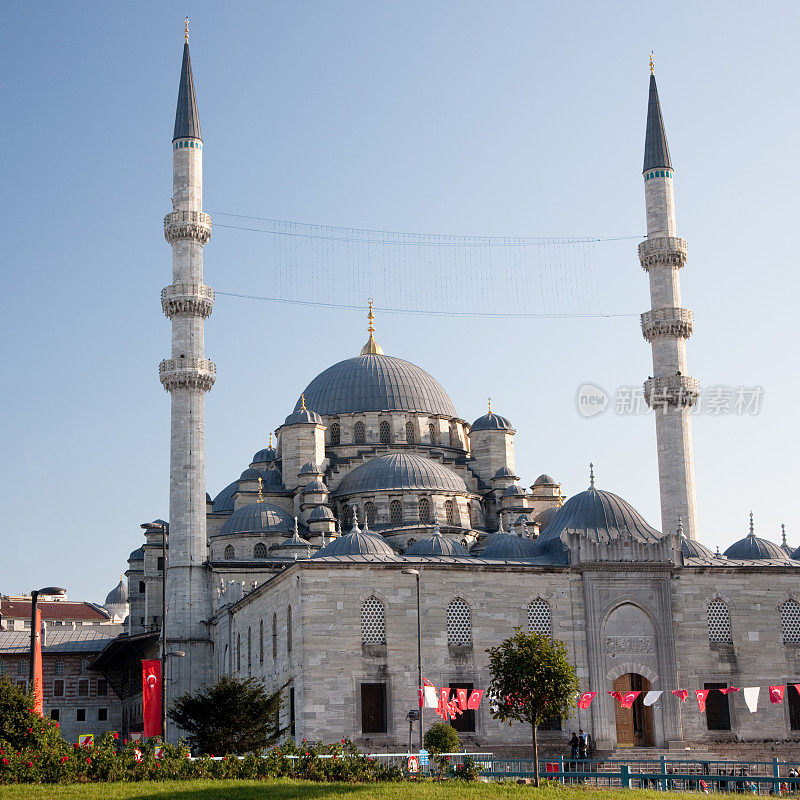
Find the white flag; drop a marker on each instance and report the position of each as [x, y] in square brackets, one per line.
[651, 698]
[751, 697]
[431, 697]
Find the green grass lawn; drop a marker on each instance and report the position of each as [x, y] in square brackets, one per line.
[304, 790]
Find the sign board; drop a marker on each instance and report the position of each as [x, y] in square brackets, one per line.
[413, 764]
[136, 737]
[159, 751]
[86, 740]
[423, 758]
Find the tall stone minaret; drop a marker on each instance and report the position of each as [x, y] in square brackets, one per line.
[670, 392]
[187, 375]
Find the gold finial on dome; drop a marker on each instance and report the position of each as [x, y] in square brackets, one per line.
[270, 439]
[490, 406]
[560, 497]
[302, 402]
[186, 30]
[371, 347]
[260, 488]
[652, 65]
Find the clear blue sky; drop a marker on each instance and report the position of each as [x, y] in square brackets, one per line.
[505, 118]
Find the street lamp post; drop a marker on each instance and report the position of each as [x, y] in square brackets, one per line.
[48, 590]
[415, 573]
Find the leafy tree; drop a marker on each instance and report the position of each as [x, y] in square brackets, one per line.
[15, 705]
[230, 716]
[532, 680]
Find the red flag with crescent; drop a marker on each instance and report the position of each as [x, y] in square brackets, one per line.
[151, 697]
[586, 699]
[731, 689]
[681, 694]
[616, 695]
[701, 695]
[475, 699]
[38, 683]
[776, 694]
[461, 694]
[627, 699]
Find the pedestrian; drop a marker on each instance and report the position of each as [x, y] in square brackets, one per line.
[583, 742]
[574, 746]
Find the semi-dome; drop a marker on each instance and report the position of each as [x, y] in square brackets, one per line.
[544, 480]
[118, 596]
[437, 545]
[258, 518]
[357, 543]
[321, 513]
[400, 471]
[492, 422]
[506, 546]
[693, 549]
[376, 382]
[754, 547]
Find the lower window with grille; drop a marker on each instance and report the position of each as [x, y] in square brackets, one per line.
[373, 708]
[464, 722]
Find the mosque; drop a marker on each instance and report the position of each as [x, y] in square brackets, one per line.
[303, 570]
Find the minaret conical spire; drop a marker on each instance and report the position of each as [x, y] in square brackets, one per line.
[656, 149]
[187, 120]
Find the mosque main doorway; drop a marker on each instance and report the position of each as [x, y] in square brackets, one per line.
[634, 725]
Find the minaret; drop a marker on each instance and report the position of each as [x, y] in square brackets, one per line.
[187, 375]
[670, 392]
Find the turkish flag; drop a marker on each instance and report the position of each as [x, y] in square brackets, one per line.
[701, 695]
[586, 699]
[616, 695]
[453, 708]
[626, 701]
[38, 683]
[475, 699]
[151, 697]
[797, 686]
[731, 689]
[681, 694]
[776, 694]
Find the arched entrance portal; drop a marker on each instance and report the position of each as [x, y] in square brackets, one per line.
[634, 725]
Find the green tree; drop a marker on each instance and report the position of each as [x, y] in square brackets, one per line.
[532, 680]
[441, 738]
[15, 713]
[230, 716]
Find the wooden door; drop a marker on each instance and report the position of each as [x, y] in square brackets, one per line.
[624, 716]
[643, 733]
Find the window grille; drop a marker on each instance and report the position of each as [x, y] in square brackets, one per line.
[59, 670]
[385, 433]
[58, 687]
[540, 617]
[433, 432]
[260, 550]
[410, 432]
[359, 433]
[289, 629]
[274, 636]
[347, 517]
[369, 513]
[449, 512]
[83, 688]
[719, 622]
[459, 623]
[336, 433]
[790, 622]
[424, 510]
[230, 553]
[373, 622]
[396, 512]
[84, 666]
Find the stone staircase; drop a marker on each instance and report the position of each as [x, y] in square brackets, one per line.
[655, 754]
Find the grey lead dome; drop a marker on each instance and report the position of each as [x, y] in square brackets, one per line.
[376, 382]
[400, 471]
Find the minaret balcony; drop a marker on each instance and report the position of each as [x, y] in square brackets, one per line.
[187, 373]
[676, 323]
[671, 390]
[187, 225]
[194, 299]
[662, 251]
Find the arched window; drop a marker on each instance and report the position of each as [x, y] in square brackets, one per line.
[469, 516]
[790, 622]
[385, 433]
[261, 642]
[449, 512]
[226, 667]
[274, 636]
[336, 433]
[433, 432]
[369, 513]
[230, 553]
[289, 629]
[359, 433]
[459, 623]
[410, 432]
[540, 619]
[249, 653]
[238, 652]
[396, 512]
[424, 510]
[373, 622]
[453, 437]
[719, 622]
[260, 550]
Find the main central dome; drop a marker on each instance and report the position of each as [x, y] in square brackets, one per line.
[376, 382]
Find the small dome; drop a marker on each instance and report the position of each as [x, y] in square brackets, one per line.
[251, 474]
[137, 555]
[118, 596]
[405, 471]
[491, 422]
[303, 417]
[523, 519]
[544, 480]
[544, 518]
[693, 549]
[315, 486]
[271, 481]
[506, 546]
[437, 545]
[357, 543]
[294, 544]
[258, 518]
[265, 456]
[321, 513]
[504, 472]
[310, 469]
[514, 490]
[753, 547]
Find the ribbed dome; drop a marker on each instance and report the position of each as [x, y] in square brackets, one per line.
[544, 480]
[302, 416]
[271, 481]
[264, 456]
[315, 486]
[137, 555]
[754, 547]
[492, 422]
[693, 549]
[357, 543]
[294, 545]
[514, 491]
[544, 518]
[376, 382]
[506, 546]
[437, 545]
[504, 472]
[310, 469]
[118, 596]
[400, 471]
[321, 513]
[258, 518]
